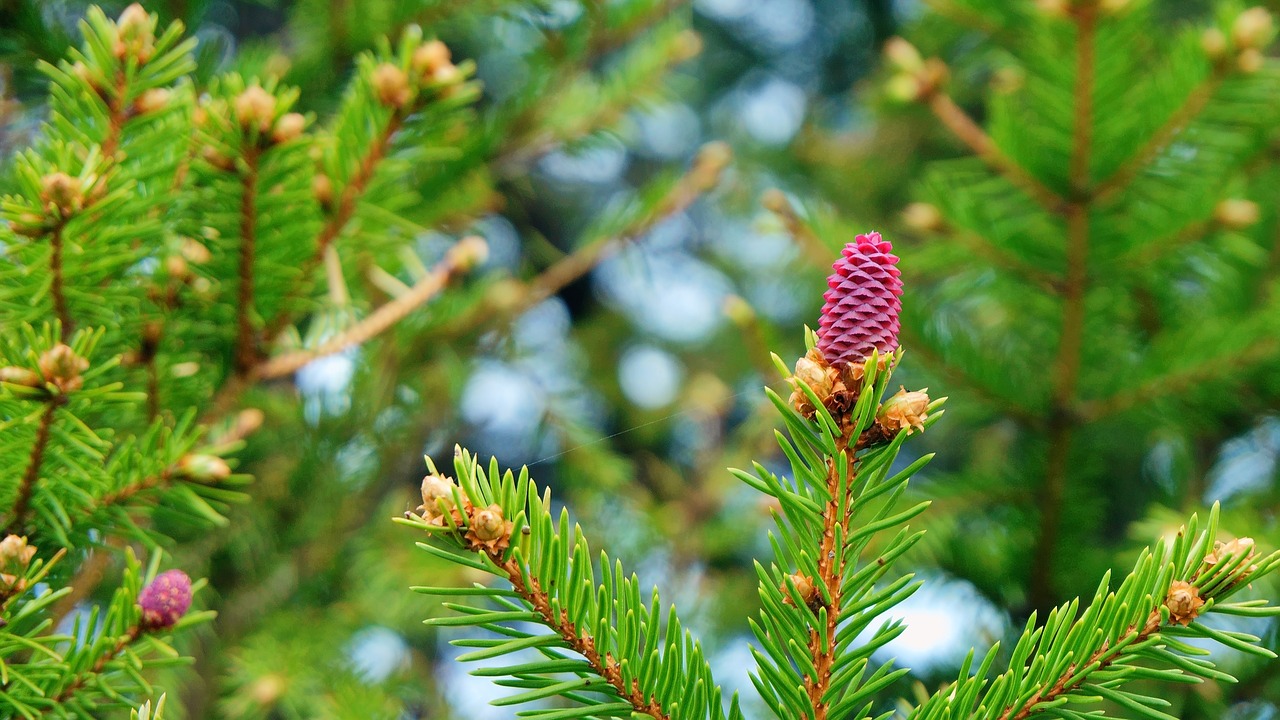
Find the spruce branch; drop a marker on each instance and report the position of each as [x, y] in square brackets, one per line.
[1066, 366]
[31, 475]
[343, 211]
[57, 282]
[1216, 367]
[963, 127]
[463, 256]
[609, 642]
[246, 353]
[701, 177]
[1087, 655]
[1195, 103]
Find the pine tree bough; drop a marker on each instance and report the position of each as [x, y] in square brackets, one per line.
[829, 584]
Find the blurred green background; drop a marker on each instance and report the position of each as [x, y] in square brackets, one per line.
[630, 388]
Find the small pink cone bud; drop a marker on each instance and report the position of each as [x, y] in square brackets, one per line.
[430, 57]
[1250, 60]
[165, 600]
[489, 529]
[437, 490]
[863, 302]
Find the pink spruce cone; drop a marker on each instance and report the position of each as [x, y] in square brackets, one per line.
[165, 600]
[861, 312]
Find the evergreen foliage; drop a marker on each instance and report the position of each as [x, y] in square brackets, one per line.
[177, 239]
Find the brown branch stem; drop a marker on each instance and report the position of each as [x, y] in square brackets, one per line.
[605, 666]
[968, 131]
[57, 283]
[1190, 108]
[375, 324]
[1066, 367]
[246, 352]
[831, 576]
[1152, 390]
[125, 641]
[343, 211]
[1073, 677]
[22, 504]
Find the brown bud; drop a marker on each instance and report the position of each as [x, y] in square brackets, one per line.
[29, 225]
[489, 529]
[430, 57]
[177, 268]
[20, 376]
[1236, 213]
[152, 100]
[814, 374]
[1214, 43]
[255, 107]
[1234, 549]
[1253, 28]
[903, 56]
[1183, 601]
[1250, 60]
[488, 523]
[61, 192]
[922, 217]
[804, 586]
[322, 187]
[904, 411]
[135, 34]
[467, 253]
[61, 366]
[211, 155]
[11, 584]
[203, 468]
[437, 490]
[391, 85]
[195, 252]
[15, 553]
[288, 127]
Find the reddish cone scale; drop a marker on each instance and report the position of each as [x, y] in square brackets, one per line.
[861, 312]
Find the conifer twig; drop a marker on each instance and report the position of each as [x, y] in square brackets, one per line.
[1076, 673]
[375, 324]
[822, 645]
[246, 350]
[1066, 367]
[32, 474]
[57, 282]
[964, 128]
[339, 219]
[1194, 103]
[530, 590]
[1217, 366]
[98, 666]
